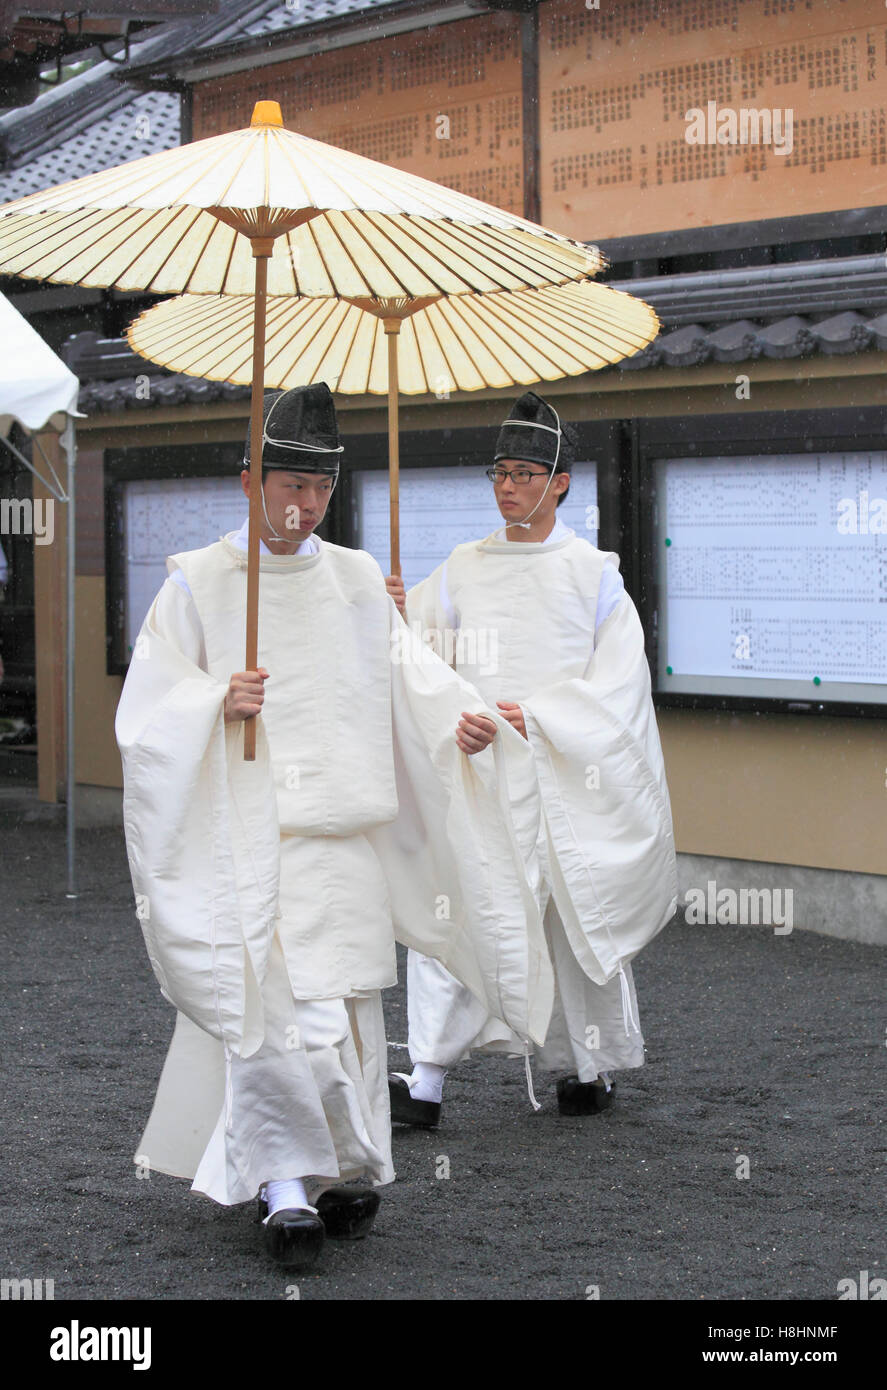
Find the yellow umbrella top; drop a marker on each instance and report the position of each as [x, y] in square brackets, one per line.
[343, 225]
[459, 344]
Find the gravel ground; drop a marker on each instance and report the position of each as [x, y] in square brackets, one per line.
[763, 1046]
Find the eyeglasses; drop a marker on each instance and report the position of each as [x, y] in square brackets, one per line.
[520, 475]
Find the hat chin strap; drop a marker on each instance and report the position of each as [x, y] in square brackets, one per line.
[525, 524]
[276, 534]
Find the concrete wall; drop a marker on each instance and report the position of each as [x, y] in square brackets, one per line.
[826, 901]
[779, 788]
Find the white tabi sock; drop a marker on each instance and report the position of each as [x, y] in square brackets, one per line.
[607, 1078]
[281, 1196]
[426, 1082]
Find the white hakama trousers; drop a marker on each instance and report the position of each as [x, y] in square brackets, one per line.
[593, 1027]
[311, 1103]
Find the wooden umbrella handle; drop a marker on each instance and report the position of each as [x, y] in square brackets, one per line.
[392, 329]
[256, 432]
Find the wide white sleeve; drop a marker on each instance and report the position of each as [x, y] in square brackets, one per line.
[430, 611]
[460, 858]
[175, 613]
[201, 829]
[611, 591]
[602, 779]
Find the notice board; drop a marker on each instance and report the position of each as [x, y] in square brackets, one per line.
[772, 576]
[165, 516]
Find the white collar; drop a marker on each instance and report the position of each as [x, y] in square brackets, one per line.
[240, 539]
[558, 532]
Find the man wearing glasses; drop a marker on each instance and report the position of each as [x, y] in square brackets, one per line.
[571, 677]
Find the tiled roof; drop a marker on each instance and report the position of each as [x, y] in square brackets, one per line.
[739, 315]
[769, 291]
[276, 17]
[109, 397]
[132, 126]
[239, 21]
[94, 121]
[745, 340]
[88, 123]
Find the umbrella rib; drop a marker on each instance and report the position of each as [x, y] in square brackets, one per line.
[383, 231]
[194, 215]
[510, 260]
[235, 172]
[472, 306]
[594, 324]
[297, 319]
[23, 225]
[201, 174]
[419, 353]
[231, 253]
[439, 251]
[450, 317]
[513, 330]
[538, 249]
[355, 329]
[123, 226]
[323, 260]
[446, 310]
[196, 316]
[511, 325]
[128, 175]
[82, 224]
[441, 310]
[469, 246]
[577, 319]
[294, 155]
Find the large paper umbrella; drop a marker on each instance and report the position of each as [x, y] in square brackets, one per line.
[314, 220]
[463, 343]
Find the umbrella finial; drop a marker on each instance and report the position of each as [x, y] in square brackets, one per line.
[267, 113]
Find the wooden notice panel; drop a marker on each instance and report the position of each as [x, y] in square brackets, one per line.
[617, 82]
[444, 103]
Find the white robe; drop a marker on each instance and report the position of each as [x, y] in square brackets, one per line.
[269, 892]
[519, 620]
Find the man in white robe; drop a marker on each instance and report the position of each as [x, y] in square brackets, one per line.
[538, 621]
[268, 891]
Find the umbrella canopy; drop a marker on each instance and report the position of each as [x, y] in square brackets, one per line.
[459, 344]
[313, 219]
[343, 225]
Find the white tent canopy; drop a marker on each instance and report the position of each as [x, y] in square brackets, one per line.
[36, 388]
[37, 391]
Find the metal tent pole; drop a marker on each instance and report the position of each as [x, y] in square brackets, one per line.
[70, 445]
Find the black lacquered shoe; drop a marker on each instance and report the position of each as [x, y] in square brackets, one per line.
[348, 1213]
[294, 1238]
[423, 1114]
[575, 1097]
